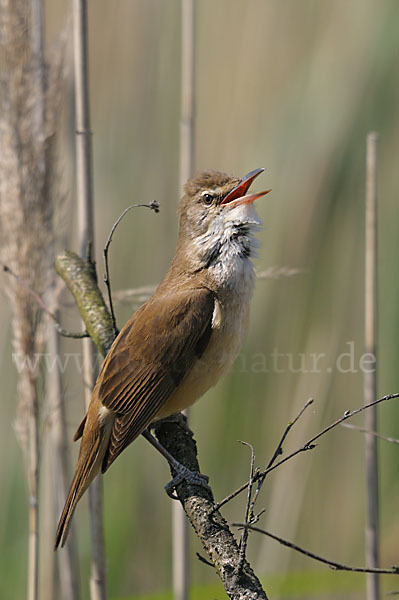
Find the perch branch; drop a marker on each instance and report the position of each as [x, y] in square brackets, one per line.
[209, 525]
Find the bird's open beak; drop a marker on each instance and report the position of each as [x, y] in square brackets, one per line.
[237, 195]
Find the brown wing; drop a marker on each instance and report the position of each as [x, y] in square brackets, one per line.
[149, 359]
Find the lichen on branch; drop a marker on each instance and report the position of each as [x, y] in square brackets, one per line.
[81, 280]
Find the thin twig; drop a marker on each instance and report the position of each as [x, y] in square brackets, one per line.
[309, 445]
[377, 435]
[203, 560]
[136, 295]
[260, 476]
[278, 452]
[334, 565]
[279, 272]
[71, 334]
[142, 293]
[279, 449]
[244, 534]
[152, 206]
[61, 331]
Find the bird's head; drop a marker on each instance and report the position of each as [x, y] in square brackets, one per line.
[217, 217]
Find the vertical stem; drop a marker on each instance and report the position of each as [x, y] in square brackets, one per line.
[33, 489]
[68, 568]
[84, 187]
[180, 538]
[86, 241]
[187, 110]
[370, 380]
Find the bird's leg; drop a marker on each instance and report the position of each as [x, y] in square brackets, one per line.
[182, 472]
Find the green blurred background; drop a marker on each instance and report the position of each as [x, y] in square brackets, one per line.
[295, 87]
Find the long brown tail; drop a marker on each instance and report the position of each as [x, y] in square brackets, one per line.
[89, 462]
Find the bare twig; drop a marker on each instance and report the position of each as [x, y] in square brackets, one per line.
[250, 517]
[153, 206]
[279, 272]
[260, 477]
[203, 560]
[136, 295]
[277, 452]
[61, 331]
[334, 565]
[279, 449]
[142, 293]
[377, 435]
[309, 445]
[248, 512]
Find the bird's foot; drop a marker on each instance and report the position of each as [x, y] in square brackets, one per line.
[184, 474]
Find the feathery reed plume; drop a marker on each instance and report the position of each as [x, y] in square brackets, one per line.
[27, 124]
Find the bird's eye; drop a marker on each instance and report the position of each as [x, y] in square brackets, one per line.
[207, 199]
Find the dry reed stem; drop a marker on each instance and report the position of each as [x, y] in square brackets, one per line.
[86, 243]
[180, 539]
[370, 379]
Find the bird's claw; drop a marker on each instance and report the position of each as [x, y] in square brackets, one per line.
[191, 477]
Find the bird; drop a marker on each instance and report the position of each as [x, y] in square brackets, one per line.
[179, 343]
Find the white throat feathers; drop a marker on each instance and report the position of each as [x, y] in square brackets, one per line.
[227, 246]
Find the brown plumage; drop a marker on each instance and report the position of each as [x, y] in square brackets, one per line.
[183, 338]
